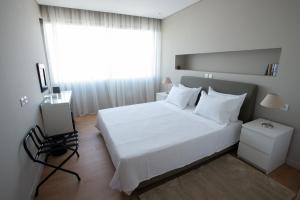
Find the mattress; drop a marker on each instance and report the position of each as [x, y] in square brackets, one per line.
[150, 139]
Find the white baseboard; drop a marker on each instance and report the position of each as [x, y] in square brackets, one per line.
[293, 164]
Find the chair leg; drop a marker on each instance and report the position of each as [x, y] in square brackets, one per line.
[59, 167]
[46, 159]
[75, 151]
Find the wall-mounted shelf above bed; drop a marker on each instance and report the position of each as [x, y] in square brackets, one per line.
[264, 62]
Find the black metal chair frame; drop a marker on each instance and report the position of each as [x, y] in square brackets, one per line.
[55, 139]
[47, 145]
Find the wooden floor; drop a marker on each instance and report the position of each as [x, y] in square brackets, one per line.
[96, 170]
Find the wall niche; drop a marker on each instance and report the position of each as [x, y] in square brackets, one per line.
[263, 62]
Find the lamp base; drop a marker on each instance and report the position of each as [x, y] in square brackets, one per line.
[267, 125]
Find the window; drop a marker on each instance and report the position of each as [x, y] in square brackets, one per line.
[79, 53]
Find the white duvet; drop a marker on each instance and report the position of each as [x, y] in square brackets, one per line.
[147, 140]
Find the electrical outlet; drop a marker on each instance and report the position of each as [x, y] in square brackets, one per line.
[208, 75]
[285, 107]
[24, 100]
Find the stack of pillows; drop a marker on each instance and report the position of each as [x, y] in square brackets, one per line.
[219, 107]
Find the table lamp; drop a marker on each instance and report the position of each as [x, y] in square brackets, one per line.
[167, 81]
[273, 101]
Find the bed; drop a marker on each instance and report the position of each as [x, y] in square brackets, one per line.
[148, 140]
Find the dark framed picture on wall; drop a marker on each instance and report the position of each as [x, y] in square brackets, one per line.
[42, 76]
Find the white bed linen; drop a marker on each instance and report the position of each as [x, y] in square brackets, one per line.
[147, 140]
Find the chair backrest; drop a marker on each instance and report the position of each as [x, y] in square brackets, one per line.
[32, 139]
[37, 127]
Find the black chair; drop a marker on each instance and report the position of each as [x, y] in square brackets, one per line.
[56, 140]
[44, 145]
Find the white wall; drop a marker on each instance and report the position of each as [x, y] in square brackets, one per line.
[21, 48]
[218, 25]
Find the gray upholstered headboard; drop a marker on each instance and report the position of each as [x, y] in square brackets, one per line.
[228, 87]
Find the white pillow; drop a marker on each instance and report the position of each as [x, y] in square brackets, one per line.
[179, 96]
[239, 99]
[195, 93]
[214, 108]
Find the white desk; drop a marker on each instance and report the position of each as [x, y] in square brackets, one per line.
[56, 113]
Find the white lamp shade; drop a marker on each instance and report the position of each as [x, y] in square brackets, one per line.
[272, 101]
[167, 81]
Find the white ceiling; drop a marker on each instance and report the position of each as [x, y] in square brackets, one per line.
[146, 8]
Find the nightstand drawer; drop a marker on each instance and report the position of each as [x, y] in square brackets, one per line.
[257, 140]
[254, 156]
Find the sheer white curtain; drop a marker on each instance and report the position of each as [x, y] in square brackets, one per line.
[106, 59]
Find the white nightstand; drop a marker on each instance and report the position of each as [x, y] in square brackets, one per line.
[266, 148]
[161, 96]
